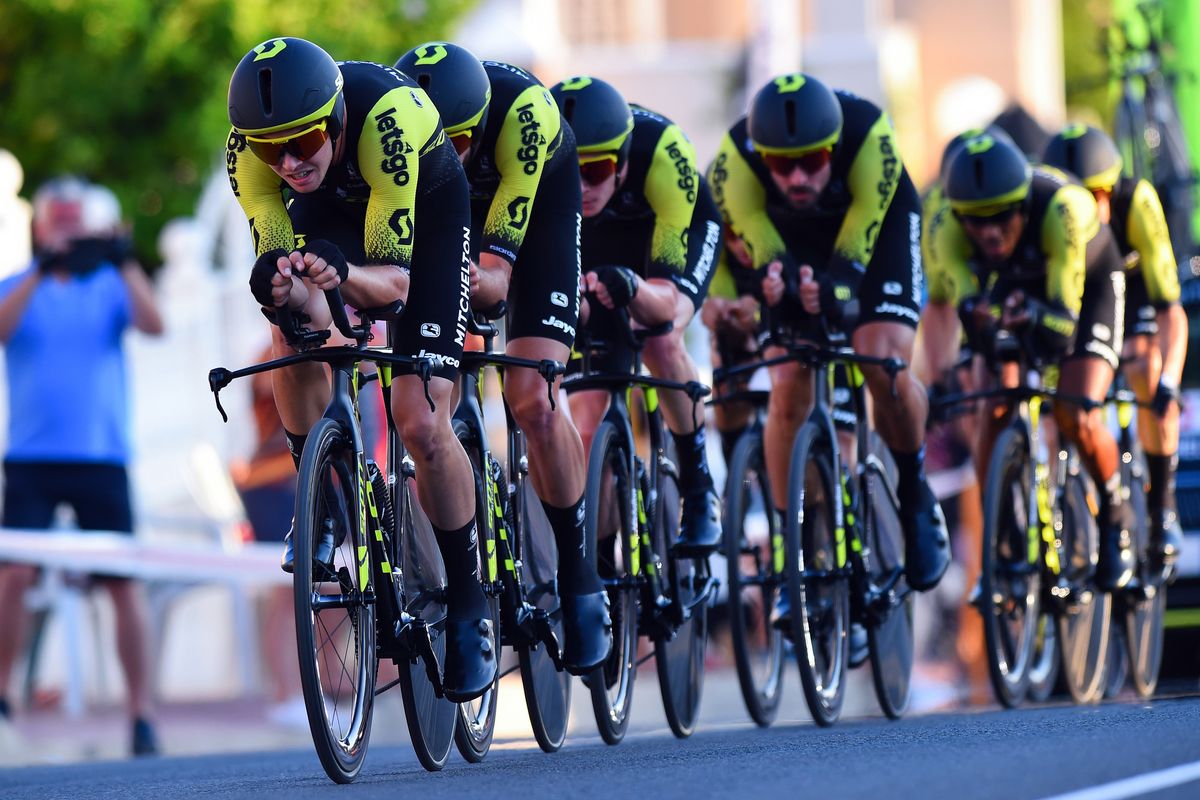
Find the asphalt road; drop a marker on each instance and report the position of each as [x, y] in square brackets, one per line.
[1030, 753]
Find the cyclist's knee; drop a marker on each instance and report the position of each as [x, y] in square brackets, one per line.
[531, 409]
[667, 349]
[1076, 424]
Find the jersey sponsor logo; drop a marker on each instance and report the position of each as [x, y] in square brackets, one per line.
[892, 288]
[464, 291]
[391, 139]
[531, 139]
[559, 299]
[269, 49]
[233, 146]
[914, 257]
[1101, 331]
[555, 322]
[708, 255]
[416, 99]
[896, 310]
[518, 212]
[719, 175]
[687, 175]
[891, 171]
[439, 359]
[431, 330]
[430, 54]
[401, 224]
[1102, 350]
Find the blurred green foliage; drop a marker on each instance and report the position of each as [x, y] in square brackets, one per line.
[131, 93]
[1087, 31]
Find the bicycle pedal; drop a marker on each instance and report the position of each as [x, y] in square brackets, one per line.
[545, 634]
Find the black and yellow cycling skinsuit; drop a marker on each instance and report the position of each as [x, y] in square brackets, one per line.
[526, 203]
[1152, 277]
[661, 221]
[1065, 258]
[398, 170]
[869, 213]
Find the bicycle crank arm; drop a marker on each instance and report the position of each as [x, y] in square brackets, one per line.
[414, 635]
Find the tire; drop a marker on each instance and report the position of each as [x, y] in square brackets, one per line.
[679, 659]
[817, 586]
[1044, 669]
[1142, 613]
[547, 689]
[339, 697]
[1116, 668]
[757, 645]
[890, 638]
[430, 719]
[1083, 626]
[611, 684]
[475, 724]
[1010, 584]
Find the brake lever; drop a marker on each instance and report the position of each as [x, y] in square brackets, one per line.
[425, 371]
[550, 369]
[218, 379]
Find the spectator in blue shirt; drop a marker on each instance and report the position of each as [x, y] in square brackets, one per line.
[61, 325]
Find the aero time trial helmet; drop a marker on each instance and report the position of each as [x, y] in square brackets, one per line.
[284, 83]
[598, 115]
[793, 114]
[987, 176]
[1087, 153]
[457, 84]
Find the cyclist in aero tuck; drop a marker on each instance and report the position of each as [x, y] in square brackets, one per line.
[360, 152]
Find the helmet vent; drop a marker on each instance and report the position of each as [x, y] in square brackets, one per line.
[264, 90]
[568, 110]
[423, 80]
[978, 165]
[1071, 164]
[789, 115]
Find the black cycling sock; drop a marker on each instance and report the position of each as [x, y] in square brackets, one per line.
[729, 441]
[693, 461]
[295, 445]
[460, 554]
[576, 567]
[911, 470]
[1161, 496]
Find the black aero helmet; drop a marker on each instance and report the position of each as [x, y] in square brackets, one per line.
[794, 113]
[987, 176]
[1087, 153]
[598, 115]
[283, 83]
[455, 81]
[956, 143]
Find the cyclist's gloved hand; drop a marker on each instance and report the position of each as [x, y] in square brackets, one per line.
[839, 291]
[621, 283]
[261, 275]
[1166, 394]
[331, 253]
[978, 327]
[1052, 328]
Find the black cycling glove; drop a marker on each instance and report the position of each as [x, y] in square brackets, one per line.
[332, 255]
[621, 282]
[1053, 329]
[981, 337]
[839, 291]
[260, 277]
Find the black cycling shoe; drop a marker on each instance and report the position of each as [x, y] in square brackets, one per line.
[470, 666]
[587, 626]
[1117, 559]
[323, 557]
[1166, 536]
[860, 645]
[926, 540]
[700, 527]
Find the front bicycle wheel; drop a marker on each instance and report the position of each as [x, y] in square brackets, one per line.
[1083, 624]
[1143, 605]
[547, 688]
[335, 619]
[753, 579]
[476, 722]
[890, 628]
[613, 536]
[815, 563]
[679, 658]
[1010, 581]
[429, 717]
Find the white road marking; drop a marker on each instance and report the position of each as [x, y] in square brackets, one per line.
[1137, 785]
